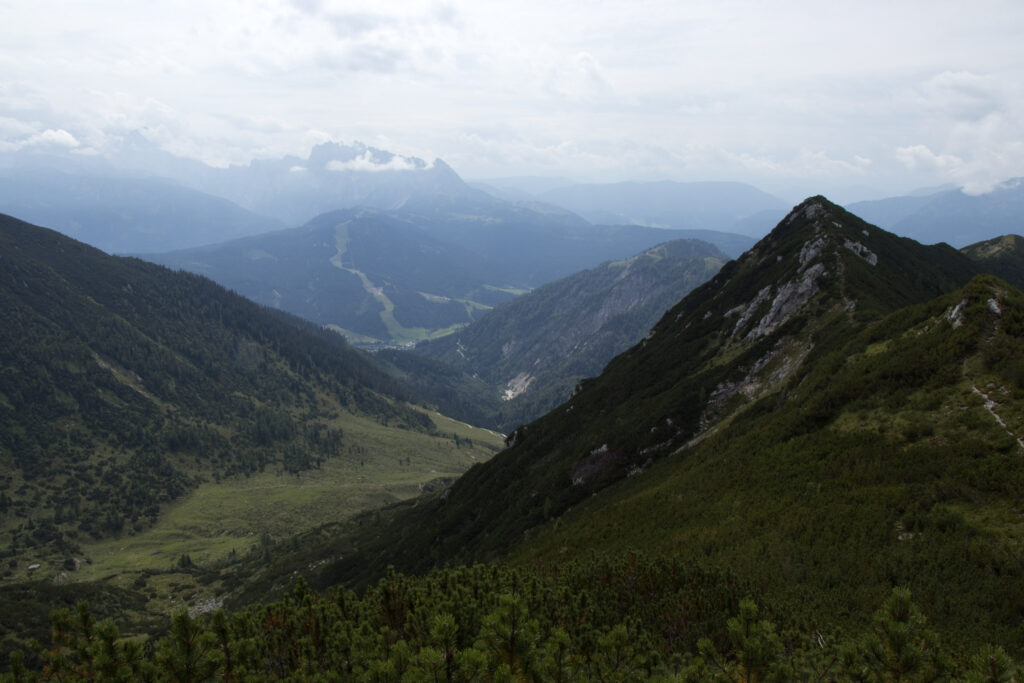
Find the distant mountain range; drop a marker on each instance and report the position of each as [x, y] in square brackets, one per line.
[336, 176]
[950, 216]
[718, 206]
[729, 215]
[122, 214]
[147, 200]
[732, 210]
[144, 200]
[414, 273]
[138, 199]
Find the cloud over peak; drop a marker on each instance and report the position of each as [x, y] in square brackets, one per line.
[368, 161]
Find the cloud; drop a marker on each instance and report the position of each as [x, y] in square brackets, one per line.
[579, 77]
[15, 128]
[962, 95]
[916, 156]
[380, 59]
[975, 153]
[355, 24]
[49, 138]
[366, 162]
[735, 90]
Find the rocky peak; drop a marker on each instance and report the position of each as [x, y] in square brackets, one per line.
[760, 319]
[794, 262]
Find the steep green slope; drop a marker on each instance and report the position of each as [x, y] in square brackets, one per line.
[897, 459]
[1002, 256]
[778, 423]
[533, 351]
[124, 386]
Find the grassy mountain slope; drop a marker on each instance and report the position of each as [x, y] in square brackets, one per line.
[126, 386]
[821, 418]
[1002, 256]
[896, 460]
[533, 351]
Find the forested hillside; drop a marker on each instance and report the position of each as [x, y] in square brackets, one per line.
[125, 385]
[756, 324]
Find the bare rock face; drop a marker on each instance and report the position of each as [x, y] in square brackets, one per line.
[788, 300]
[517, 385]
[803, 268]
[862, 251]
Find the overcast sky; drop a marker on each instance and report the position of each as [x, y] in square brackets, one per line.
[791, 95]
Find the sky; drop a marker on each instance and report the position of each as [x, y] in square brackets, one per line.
[794, 96]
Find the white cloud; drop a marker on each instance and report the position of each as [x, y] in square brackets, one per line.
[367, 162]
[58, 138]
[976, 154]
[915, 156]
[49, 138]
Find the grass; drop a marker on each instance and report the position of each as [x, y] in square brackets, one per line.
[354, 337]
[224, 518]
